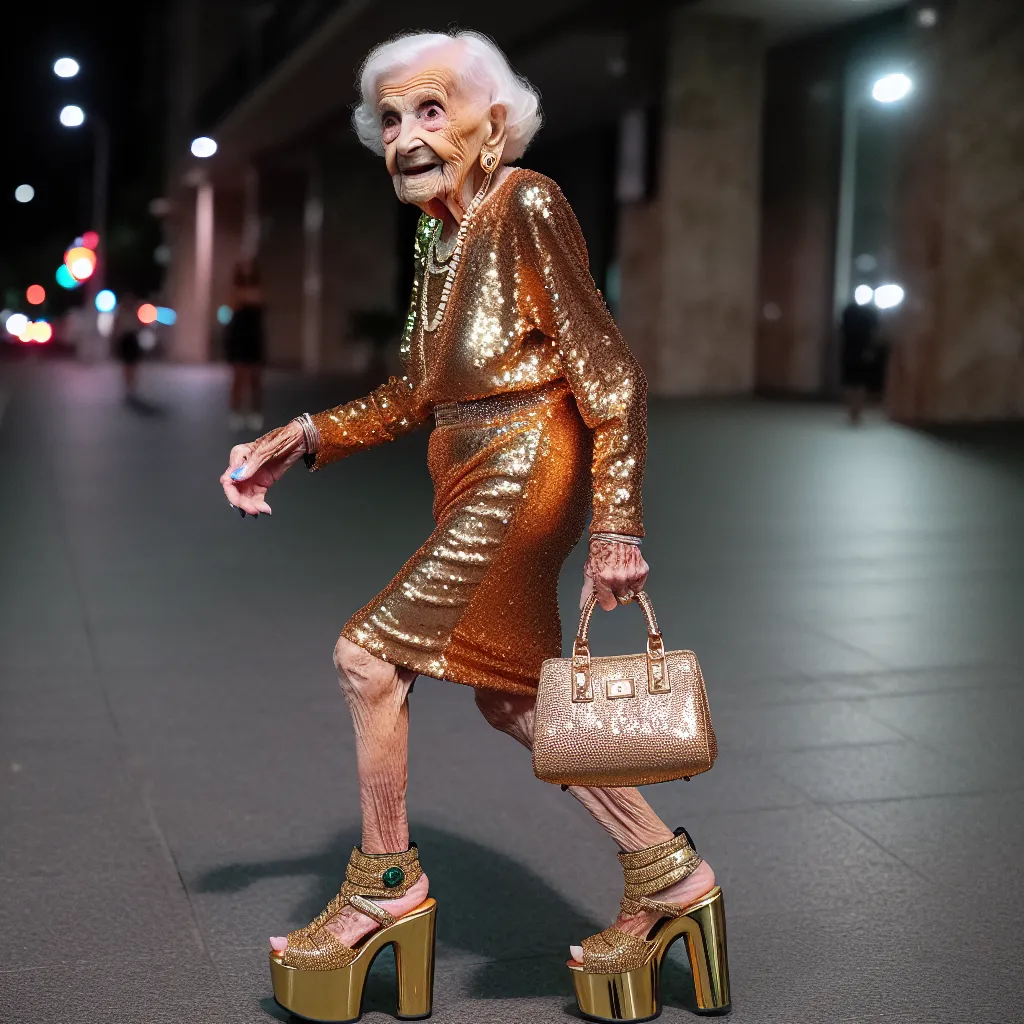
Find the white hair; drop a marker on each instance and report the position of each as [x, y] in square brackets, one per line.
[482, 67]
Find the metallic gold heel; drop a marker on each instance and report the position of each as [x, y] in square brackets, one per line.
[619, 978]
[319, 978]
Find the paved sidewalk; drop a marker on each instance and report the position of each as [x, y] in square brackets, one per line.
[177, 776]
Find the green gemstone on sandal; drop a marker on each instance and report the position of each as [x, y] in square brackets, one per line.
[393, 877]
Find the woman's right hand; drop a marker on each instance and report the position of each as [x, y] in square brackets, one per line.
[253, 467]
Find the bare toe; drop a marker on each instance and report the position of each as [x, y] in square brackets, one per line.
[278, 943]
[577, 953]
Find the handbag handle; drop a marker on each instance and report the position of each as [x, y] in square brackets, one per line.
[657, 669]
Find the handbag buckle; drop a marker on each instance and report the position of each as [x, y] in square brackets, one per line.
[616, 688]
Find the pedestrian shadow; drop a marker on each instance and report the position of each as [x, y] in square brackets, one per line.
[510, 926]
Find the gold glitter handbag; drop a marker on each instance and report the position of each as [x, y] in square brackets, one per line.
[626, 720]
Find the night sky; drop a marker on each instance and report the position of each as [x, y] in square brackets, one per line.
[123, 61]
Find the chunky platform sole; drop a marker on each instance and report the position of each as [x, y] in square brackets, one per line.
[336, 997]
[634, 995]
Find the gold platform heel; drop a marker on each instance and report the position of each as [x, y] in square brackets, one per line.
[319, 978]
[619, 978]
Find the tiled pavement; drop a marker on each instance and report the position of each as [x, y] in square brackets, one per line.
[177, 779]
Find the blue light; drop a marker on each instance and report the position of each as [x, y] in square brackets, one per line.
[224, 314]
[165, 315]
[106, 300]
[65, 278]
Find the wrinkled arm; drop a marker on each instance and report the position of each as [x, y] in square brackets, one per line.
[392, 409]
[606, 381]
[386, 413]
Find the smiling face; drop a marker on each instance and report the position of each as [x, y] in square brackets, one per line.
[432, 134]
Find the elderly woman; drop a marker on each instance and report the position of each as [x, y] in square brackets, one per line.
[539, 411]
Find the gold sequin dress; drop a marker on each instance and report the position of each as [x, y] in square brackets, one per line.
[514, 477]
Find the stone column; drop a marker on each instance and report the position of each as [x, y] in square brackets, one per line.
[959, 351]
[312, 276]
[689, 258]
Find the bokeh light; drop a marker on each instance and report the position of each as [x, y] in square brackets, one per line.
[35, 294]
[888, 296]
[864, 294]
[72, 116]
[203, 147]
[65, 67]
[16, 323]
[91, 240]
[224, 314]
[892, 88]
[147, 339]
[106, 301]
[24, 193]
[147, 313]
[40, 332]
[80, 261]
[105, 324]
[165, 315]
[65, 278]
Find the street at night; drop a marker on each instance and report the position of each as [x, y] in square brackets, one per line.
[179, 779]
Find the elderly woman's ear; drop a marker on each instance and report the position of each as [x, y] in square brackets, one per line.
[499, 128]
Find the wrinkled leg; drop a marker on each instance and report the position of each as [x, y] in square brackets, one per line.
[623, 813]
[376, 694]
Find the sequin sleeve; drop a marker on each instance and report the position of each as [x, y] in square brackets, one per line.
[393, 409]
[606, 380]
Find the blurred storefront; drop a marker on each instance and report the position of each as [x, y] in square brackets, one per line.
[738, 170]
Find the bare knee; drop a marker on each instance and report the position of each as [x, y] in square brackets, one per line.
[510, 713]
[365, 677]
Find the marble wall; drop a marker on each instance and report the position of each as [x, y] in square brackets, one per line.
[688, 258]
[960, 337]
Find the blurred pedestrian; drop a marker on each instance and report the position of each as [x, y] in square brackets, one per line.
[127, 349]
[862, 357]
[244, 349]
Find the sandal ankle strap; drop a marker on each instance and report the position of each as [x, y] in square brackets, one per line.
[385, 876]
[656, 868]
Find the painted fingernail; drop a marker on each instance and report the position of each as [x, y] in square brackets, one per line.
[238, 473]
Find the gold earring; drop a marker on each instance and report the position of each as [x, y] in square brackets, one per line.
[488, 161]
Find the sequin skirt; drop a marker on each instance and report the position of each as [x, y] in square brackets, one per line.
[478, 602]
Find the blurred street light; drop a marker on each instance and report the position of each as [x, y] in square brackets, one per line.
[66, 67]
[16, 323]
[65, 278]
[24, 193]
[72, 116]
[927, 17]
[224, 314]
[35, 294]
[106, 301]
[888, 296]
[147, 313]
[864, 294]
[203, 147]
[166, 315]
[892, 88]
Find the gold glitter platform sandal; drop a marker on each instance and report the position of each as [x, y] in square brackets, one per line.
[319, 978]
[619, 977]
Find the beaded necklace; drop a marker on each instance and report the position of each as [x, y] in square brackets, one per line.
[431, 325]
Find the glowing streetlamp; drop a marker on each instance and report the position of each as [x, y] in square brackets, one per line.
[892, 88]
[66, 67]
[203, 147]
[72, 116]
[24, 193]
[106, 301]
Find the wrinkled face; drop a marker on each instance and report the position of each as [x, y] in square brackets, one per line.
[432, 134]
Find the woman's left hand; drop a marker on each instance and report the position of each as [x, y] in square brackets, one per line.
[615, 571]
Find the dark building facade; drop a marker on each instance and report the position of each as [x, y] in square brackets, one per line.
[736, 178]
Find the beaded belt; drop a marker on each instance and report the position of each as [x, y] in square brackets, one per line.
[480, 410]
